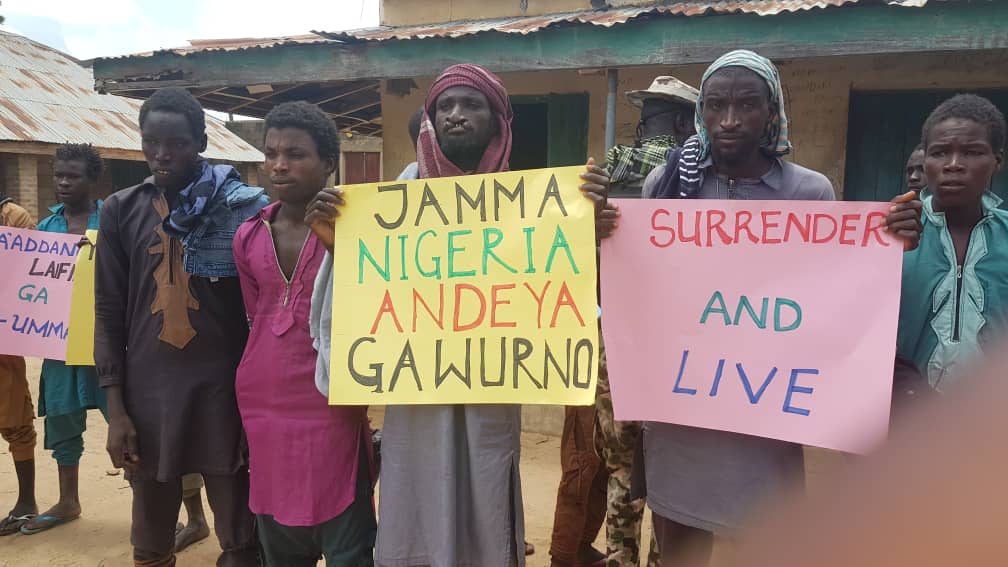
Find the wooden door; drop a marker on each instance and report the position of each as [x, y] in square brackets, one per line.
[361, 167]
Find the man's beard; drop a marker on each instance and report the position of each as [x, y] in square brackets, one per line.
[462, 151]
[734, 157]
[726, 158]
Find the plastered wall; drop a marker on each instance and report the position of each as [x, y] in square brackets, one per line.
[817, 93]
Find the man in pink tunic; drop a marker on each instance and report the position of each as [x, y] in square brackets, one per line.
[311, 483]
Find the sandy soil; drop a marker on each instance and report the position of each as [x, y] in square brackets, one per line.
[101, 536]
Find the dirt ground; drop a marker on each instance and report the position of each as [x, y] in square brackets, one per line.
[101, 536]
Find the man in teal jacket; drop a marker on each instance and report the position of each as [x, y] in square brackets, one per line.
[955, 284]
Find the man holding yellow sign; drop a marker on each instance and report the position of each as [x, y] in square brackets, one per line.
[477, 291]
[68, 390]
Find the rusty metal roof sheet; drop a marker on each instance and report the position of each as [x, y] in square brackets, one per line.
[46, 96]
[519, 25]
[602, 17]
[233, 44]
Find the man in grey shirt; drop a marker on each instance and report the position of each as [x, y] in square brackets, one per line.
[701, 481]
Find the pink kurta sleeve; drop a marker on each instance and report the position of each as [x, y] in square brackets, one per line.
[249, 285]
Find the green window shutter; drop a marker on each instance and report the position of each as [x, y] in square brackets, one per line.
[567, 129]
[883, 128]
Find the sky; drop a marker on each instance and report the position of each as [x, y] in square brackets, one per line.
[100, 28]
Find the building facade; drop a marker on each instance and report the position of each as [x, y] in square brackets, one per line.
[860, 76]
[46, 99]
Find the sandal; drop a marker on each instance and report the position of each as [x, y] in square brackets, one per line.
[12, 524]
[43, 523]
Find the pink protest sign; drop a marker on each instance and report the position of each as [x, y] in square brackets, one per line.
[35, 291]
[770, 318]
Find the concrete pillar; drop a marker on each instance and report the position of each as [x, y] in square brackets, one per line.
[610, 118]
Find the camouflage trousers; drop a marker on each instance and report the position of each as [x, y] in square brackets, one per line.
[615, 442]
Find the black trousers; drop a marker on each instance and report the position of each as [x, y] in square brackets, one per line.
[156, 509]
[344, 541]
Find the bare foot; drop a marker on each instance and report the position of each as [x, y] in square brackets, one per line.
[22, 509]
[190, 534]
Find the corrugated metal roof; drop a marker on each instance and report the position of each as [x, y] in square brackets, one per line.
[603, 17]
[233, 44]
[521, 25]
[47, 96]
[244, 42]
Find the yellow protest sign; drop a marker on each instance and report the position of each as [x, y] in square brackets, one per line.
[80, 337]
[475, 289]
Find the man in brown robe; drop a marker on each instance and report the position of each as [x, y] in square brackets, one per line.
[170, 328]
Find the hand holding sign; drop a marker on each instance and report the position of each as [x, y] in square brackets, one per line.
[904, 219]
[320, 216]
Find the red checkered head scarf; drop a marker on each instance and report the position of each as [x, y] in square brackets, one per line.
[430, 158]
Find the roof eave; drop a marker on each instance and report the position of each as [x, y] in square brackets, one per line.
[656, 40]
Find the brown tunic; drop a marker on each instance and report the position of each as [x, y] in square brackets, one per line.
[171, 341]
[16, 409]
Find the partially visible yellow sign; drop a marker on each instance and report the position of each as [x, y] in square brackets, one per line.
[466, 290]
[80, 337]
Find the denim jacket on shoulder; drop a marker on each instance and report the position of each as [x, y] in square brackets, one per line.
[207, 248]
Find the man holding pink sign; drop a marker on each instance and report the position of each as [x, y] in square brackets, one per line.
[703, 478]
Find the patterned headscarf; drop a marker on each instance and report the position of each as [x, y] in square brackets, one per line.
[196, 203]
[775, 140]
[430, 159]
